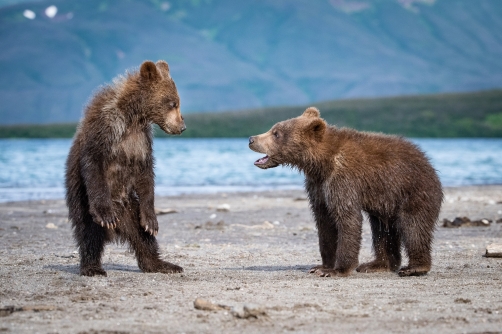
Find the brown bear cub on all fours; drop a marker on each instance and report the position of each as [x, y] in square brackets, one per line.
[109, 170]
[347, 172]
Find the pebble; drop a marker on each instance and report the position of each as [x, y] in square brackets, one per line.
[494, 250]
[223, 207]
[206, 305]
[51, 226]
[159, 212]
[465, 221]
[248, 311]
[266, 225]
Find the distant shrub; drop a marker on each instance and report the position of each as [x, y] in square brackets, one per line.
[475, 114]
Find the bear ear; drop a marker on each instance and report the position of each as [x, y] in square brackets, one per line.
[312, 112]
[149, 72]
[164, 68]
[316, 128]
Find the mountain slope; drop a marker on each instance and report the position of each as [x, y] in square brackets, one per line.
[229, 55]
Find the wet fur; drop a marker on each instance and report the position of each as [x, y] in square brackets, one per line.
[109, 170]
[347, 172]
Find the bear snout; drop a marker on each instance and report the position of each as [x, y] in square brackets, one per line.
[255, 144]
[183, 127]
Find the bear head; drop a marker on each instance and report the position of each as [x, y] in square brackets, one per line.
[160, 96]
[290, 142]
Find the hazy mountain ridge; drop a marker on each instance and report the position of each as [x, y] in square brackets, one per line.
[226, 55]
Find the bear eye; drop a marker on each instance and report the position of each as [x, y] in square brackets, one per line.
[173, 104]
[276, 134]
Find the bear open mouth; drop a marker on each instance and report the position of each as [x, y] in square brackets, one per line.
[261, 161]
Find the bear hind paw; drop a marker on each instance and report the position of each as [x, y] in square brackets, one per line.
[314, 269]
[373, 266]
[92, 271]
[413, 271]
[163, 267]
[324, 272]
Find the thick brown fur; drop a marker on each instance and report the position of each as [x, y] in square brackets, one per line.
[109, 170]
[347, 172]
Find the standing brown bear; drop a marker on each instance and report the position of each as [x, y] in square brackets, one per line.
[109, 171]
[347, 172]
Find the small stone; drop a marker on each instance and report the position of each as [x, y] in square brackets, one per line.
[223, 207]
[122, 298]
[159, 212]
[212, 216]
[51, 226]
[482, 222]
[39, 308]
[206, 305]
[465, 222]
[266, 225]
[209, 225]
[462, 301]
[494, 250]
[248, 311]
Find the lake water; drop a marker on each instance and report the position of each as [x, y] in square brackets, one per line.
[34, 168]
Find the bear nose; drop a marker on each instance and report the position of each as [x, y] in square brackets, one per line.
[183, 128]
[251, 140]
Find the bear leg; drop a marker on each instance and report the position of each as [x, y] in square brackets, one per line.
[417, 241]
[91, 239]
[328, 237]
[146, 249]
[145, 245]
[386, 246]
[349, 227]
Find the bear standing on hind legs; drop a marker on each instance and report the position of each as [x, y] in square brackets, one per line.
[347, 172]
[109, 170]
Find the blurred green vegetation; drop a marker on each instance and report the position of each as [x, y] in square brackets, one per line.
[477, 114]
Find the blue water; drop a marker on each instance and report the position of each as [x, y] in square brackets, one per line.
[34, 168]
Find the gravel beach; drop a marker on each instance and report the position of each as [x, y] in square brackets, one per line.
[246, 257]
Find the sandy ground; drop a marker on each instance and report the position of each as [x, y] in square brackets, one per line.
[233, 258]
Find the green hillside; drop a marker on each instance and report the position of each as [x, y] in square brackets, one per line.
[477, 114]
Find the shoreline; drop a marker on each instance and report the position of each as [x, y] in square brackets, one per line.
[213, 190]
[256, 253]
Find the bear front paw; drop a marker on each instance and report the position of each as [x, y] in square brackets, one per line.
[150, 224]
[104, 217]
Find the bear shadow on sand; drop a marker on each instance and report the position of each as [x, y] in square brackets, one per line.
[305, 267]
